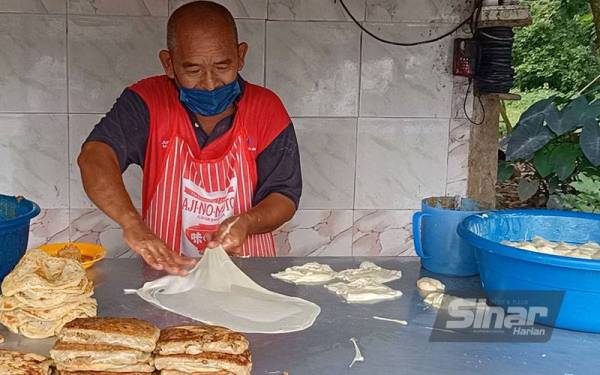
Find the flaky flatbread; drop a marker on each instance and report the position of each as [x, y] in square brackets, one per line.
[51, 299]
[40, 271]
[238, 364]
[107, 373]
[17, 321]
[130, 332]
[195, 339]
[16, 363]
[99, 357]
[175, 372]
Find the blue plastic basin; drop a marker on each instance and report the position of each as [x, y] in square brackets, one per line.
[15, 216]
[505, 268]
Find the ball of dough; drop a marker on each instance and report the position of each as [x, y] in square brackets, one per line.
[428, 284]
[435, 299]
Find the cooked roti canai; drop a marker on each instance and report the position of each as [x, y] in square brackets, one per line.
[128, 332]
[39, 271]
[238, 364]
[196, 339]
[16, 363]
[100, 357]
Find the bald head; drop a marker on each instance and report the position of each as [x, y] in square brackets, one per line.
[202, 46]
[200, 17]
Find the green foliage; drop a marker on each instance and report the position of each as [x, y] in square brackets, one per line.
[586, 196]
[561, 138]
[514, 108]
[545, 125]
[505, 171]
[557, 50]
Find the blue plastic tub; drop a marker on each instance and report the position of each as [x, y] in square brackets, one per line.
[505, 268]
[434, 234]
[15, 216]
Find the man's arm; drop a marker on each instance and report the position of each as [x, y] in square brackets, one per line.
[276, 197]
[103, 183]
[117, 141]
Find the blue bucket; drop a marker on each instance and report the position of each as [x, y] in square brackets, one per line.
[436, 241]
[15, 216]
[504, 269]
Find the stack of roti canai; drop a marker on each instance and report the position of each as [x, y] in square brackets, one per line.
[202, 349]
[17, 363]
[43, 293]
[105, 346]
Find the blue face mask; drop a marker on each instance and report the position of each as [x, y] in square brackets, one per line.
[210, 102]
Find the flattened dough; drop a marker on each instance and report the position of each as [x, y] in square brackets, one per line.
[364, 291]
[428, 285]
[312, 273]
[371, 271]
[435, 299]
[588, 250]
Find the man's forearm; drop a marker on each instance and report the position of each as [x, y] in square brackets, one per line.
[268, 215]
[103, 183]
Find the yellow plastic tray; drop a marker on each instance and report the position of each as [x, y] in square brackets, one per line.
[92, 250]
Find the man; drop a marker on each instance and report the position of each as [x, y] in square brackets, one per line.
[220, 157]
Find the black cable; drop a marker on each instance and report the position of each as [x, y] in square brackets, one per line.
[480, 104]
[468, 20]
[494, 72]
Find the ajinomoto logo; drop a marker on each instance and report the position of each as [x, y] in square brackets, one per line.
[506, 316]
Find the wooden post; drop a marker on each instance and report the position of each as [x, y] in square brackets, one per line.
[483, 150]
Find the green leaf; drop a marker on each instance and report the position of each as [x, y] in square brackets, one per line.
[542, 162]
[592, 111]
[527, 189]
[589, 140]
[569, 118]
[538, 108]
[564, 159]
[554, 202]
[505, 171]
[527, 138]
[553, 118]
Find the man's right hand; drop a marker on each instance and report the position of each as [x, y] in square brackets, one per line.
[154, 251]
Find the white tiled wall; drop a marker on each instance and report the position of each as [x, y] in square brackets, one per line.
[379, 126]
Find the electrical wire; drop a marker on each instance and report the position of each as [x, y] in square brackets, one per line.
[468, 20]
[480, 104]
[471, 21]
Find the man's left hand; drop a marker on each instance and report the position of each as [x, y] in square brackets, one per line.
[231, 235]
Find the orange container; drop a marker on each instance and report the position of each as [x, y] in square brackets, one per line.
[91, 252]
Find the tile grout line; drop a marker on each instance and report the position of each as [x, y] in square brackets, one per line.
[360, 55]
[68, 123]
[299, 117]
[448, 156]
[265, 55]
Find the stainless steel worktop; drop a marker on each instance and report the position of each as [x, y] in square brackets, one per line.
[388, 348]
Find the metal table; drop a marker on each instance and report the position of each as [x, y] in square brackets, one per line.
[388, 348]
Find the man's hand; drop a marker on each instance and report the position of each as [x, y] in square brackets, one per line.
[231, 235]
[154, 251]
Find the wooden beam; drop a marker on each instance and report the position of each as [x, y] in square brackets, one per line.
[483, 150]
[504, 15]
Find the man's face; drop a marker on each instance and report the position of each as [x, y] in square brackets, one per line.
[204, 59]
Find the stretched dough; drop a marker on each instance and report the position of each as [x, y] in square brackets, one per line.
[217, 292]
